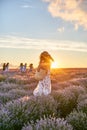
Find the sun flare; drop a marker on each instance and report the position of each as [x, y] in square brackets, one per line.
[54, 65]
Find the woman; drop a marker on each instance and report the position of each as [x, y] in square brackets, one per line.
[44, 85]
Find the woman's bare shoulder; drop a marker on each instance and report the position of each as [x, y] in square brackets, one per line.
[44, 66]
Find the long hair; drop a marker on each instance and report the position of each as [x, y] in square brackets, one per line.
[46, 57]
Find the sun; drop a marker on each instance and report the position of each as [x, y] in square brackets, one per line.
[54, 65]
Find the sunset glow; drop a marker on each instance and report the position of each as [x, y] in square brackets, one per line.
[54, 65]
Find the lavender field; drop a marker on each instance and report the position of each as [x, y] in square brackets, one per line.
[64, 109]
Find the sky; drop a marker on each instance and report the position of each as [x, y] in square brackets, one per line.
[28, 27]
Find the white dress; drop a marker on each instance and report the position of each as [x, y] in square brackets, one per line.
[43, 87]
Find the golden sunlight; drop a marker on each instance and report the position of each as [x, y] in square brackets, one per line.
[54, 65]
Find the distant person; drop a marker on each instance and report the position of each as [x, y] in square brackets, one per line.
[7, 67]
[21, 67]
[31, 67]
[44, 85]
[4, 66]
[24, 67]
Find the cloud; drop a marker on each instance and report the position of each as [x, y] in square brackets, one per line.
[61, 29]
[74, 11]
[27, 6]
[40, 44]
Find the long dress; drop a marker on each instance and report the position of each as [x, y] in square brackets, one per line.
[43, 87]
